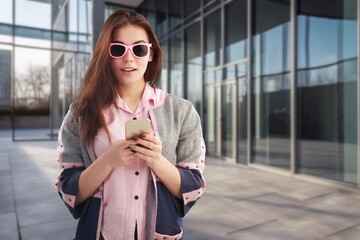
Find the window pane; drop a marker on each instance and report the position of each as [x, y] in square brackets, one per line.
[36, 14]
[163, 84]
[191, 6]
[32, 93]
[212, 41]
[235, 30]
[271, 84]
[193, 65]
[5, 86]
[242, 84]
[161, 19]
[175, 12]
[327, 95]
[6, 11]
[71, 14]
[85, 26]
[32, 37]
[6, 33]
[176, 65]
[5, 75]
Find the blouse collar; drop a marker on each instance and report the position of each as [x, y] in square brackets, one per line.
[148, 99]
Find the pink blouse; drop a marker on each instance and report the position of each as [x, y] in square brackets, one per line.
[124, 190]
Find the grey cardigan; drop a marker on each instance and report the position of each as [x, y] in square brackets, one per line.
[179, 129]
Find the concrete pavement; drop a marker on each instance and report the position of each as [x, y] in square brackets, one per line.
[240, 202]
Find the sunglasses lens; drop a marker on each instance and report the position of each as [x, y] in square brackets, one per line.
[117, 50]
[140, 50]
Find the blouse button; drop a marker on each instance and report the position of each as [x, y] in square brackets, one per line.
[134, 118]
[136, 197]
[137, 173]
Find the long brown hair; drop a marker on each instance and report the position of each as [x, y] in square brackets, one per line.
[98, 89]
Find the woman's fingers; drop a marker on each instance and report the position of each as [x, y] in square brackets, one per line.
[148, 141]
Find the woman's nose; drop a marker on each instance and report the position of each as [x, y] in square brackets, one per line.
[128, 56]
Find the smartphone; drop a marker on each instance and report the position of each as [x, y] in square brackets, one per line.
[135, 127]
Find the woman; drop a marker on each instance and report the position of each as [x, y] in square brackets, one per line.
[137, 188]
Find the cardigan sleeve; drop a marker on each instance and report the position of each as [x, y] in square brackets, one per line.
[71, 163]
[190, 161]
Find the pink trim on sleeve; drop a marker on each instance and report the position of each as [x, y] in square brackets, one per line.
[70, 165]
[159, 236]
[69, 199]
[194, 195]
[200, 166]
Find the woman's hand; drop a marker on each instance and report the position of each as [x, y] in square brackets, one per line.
[119, 154]
[150, 151]
[148, 148]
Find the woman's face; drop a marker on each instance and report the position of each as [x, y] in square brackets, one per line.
[129, 69]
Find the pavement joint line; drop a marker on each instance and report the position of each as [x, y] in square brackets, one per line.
[253, 197]
[54, 221]
[342, 230]
[252, 226]
[6, 212]
[13, 194]
[310, 199]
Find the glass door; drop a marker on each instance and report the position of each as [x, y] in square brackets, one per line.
[220, 120]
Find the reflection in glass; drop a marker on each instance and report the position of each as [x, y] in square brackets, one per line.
[27, 13]
[235, 30]
[58, 108]
[84, 28]
[32, 37]
[271, 95]
[211, 108]
[161, 18]
[72, 16]
[84, 17]
[32, 93]
[163, 84]
[44, 81]
[327, 96]
[175, 9]
[70, 78]
[227, 120]
[6, 11]
[193, 65]
[191, 6]
[6, 33]
[5, 86]
[176, 65]
[241, 72]
[212, 40]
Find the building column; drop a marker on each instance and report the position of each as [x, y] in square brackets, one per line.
[98, 15]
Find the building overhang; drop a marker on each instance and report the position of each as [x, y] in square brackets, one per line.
[130, 3]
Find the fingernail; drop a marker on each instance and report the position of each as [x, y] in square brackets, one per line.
[132, 146]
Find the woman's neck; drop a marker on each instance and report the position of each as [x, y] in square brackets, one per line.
[131, 94]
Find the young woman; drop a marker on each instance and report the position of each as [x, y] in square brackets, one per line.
[137, 188]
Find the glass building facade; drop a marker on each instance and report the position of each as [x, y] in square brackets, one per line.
[45, 47]
[274, 81]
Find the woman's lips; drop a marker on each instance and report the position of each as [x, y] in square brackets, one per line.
[128, 69]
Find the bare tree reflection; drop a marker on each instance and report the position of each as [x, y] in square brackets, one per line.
[32, 89]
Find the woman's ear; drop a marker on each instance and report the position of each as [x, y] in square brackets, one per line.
[151, 55]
